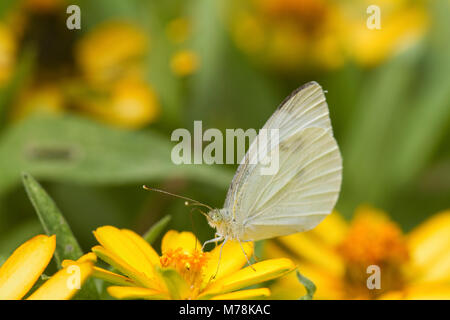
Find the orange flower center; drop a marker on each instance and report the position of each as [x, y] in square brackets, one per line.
[374, 240]
[189, 264]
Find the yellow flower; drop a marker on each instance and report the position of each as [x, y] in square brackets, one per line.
[129, 103]
[24, 267]
[402, 23]
[290, 35]
[183, 271]
[43, 5]
[111, 51]
[335, 256]
[112, 60]
[45, 97]
[184, 63]
[7, 53]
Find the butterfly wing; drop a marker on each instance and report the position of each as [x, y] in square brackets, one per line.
[306, 187]
[300, 194]
[305, 107]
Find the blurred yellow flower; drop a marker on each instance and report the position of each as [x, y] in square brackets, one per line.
[335, 256]
[7, 53]
[43, 5]
[44, 97]
[402, 24]
[112, 59]
[129, 103]
[291, 34]
[184, 63]
[183, 271]
[111, 51]
[24, 267]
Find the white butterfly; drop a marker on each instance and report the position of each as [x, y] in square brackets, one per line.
[305, 188]
[301, 193]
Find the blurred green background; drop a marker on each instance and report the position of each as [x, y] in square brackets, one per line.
[90, 112]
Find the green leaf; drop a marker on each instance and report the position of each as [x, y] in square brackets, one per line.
[177, 286]
[309, 286]
[153, 233]
[426, 122]
[373, 124]
[54, 223]
[76, 150]
[208, 43]
[5, 7]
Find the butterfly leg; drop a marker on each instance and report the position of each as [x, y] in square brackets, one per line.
[216, 235]
[245, 254]
[219, 238]
[220, 257]
[253, 254]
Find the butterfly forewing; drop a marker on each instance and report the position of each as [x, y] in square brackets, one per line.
[305, 107]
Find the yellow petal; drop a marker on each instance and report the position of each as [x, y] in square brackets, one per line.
[112, 277]
[429, 246]
[305, 248]
[329, 286]
[90, 256]
[136, 293]
[258, 272]
[331, 230]
[110, 50]
[254, 294]
[99, 272]
[433, 294]
[233, 258]
[429, 291]
[399, 31]
[144, 246]
[125, 268]
[185, 240]
[393, 295]
[440, 269]
[65, 283]
[86, 257]
[121, 245]
[19, 273]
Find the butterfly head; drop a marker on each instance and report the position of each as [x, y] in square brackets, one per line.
[217, 218]
[214, 218]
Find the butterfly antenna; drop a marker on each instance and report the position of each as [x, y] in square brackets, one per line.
[193, 224]
[189, 202]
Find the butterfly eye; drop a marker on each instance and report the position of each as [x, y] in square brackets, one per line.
[216, 216]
